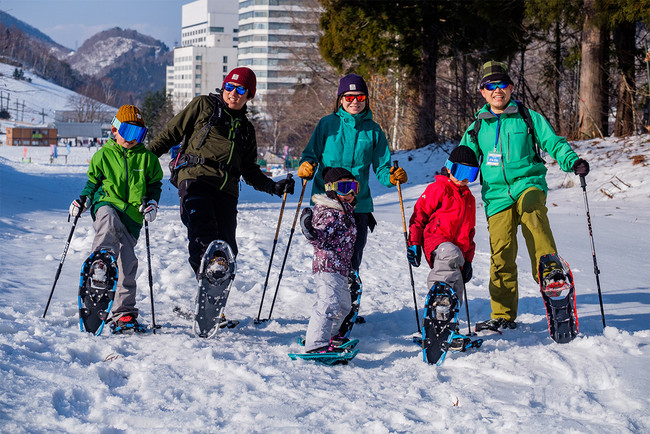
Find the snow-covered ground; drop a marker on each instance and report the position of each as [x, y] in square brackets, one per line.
[55, 378]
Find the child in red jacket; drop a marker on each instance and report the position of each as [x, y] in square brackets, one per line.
[443, 223]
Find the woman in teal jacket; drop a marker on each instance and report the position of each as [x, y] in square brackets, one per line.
[349, 138]
[513, 179]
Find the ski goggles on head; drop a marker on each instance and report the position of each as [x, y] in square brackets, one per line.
[230, 87]
[130, 132]
[343, 187]
[462, 171]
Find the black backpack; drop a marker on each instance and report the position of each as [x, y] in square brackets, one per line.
[525, 114]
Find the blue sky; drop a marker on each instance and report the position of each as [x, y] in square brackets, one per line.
[71, 22]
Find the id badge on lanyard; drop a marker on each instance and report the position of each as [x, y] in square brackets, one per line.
[493, 159]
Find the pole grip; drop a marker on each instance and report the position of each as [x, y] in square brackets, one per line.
[583, 182]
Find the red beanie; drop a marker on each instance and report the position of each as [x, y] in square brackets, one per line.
[244, 77]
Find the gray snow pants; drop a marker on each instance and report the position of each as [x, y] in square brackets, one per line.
[447, 263]
[332, 304]
[112, 235]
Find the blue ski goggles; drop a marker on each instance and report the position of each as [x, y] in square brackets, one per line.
[343, 187]
[130, 132]
[462, 171]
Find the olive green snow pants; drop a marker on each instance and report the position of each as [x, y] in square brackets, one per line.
[531, 213]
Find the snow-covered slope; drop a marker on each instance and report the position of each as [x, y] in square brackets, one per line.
[55, 378]
[32, 103]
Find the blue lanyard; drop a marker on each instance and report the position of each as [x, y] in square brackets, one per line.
[496, 140]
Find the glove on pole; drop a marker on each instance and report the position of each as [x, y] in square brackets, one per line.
[583, 184]
[286, 252]
[275, 243]
[401, 204]
[58, 271]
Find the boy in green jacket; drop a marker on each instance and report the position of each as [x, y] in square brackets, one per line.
[513, 179]
[121, 174]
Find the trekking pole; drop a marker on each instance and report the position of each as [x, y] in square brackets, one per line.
[469, 325]
[406, 240]
[65, 252]
[275, 243]
[286, 252]
[146, 233]
[583, 184]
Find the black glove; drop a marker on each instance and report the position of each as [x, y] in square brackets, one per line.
[467, 272]
[284, 185]
[305, 224]
[581, 167]
[414, 255]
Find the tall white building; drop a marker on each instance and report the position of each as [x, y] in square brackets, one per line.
[208, 50]
[272, 36]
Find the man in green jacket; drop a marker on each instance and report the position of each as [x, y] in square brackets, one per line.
[121, 174]
[514, 185]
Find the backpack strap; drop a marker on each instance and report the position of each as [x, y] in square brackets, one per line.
[525, 114]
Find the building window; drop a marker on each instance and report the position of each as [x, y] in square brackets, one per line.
[225, 59]
[225, 68]
[216, 29]
[198, 57]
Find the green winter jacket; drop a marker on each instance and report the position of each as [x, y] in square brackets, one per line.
[229, 150]
[519, 168]
[121, 177]
[353, 142]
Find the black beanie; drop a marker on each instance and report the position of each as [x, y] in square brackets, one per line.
[333, 174]
[463, 155]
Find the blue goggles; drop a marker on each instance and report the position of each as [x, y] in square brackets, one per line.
[230, 87]
[493, 85]
[343, 187]
[462, 171]
[130, 132]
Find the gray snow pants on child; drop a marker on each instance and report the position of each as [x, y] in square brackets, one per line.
[447, 263]
[112, 235]
[332, 305]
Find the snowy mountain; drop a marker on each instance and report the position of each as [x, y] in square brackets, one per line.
[54, 378]
[133, 61]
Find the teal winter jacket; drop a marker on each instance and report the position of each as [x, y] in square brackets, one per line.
[354, 142]
[121, 177]
[509, 164]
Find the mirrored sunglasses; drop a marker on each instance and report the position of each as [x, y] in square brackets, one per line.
[350, 98]
[130, 132]
[343, 187]
[462, 171]
[493, 85]
[230, 87]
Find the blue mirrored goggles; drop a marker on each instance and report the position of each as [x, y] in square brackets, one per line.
[343, 187]
[130, 132]
[230, 87]
[493, 85]
[462, 171]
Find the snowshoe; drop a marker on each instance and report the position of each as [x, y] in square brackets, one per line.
[215, 276]
[440, 325]
[97, 285]
[127, 324]
[356, 288]
[495, 324]
[330, 354]
[558, 293]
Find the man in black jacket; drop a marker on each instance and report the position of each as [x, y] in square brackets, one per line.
[219, 147]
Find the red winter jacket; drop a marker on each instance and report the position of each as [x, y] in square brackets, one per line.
[444, 212]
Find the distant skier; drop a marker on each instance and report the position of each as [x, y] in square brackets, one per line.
[120, 175]
[331, 229]
[507, 138]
